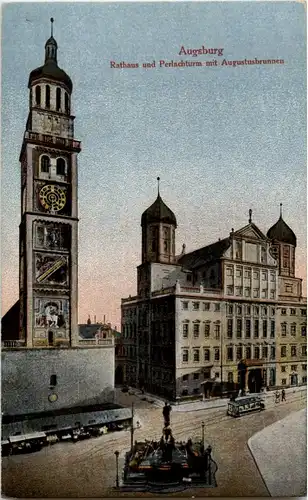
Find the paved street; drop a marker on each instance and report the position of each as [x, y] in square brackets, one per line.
[87, 468]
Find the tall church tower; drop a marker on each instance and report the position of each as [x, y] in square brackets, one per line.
[49, 212]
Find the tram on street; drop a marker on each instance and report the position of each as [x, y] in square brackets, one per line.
[245, 404]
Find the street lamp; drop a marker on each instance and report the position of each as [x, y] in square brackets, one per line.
[117, 468]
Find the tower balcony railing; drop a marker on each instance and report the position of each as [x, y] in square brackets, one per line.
[95, 342]
[53, 140]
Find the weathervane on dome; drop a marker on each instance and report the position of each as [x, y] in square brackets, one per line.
[52, 21]
[281, 210]
[158, 179]
[250, 214]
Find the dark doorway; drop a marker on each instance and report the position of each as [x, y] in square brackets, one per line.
[50, 337]
[255, 380]
[119, 376]
[294, 379]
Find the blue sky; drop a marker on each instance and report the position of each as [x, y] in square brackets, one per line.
[222, 139]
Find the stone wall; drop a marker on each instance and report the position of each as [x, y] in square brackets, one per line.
[84, 376]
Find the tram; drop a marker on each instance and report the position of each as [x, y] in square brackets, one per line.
[245, 404]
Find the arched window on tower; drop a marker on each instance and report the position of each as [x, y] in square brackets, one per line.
[58, 99]
[45, 163]
[38, 95]
[60, 166]
[67, 107]
[47, 96]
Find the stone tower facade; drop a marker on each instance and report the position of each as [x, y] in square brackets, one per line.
[49, 210]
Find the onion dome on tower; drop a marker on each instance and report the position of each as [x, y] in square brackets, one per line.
[282, 232]
[50, 69]
[158, 212]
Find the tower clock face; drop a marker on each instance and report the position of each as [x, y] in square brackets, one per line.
[52, 198]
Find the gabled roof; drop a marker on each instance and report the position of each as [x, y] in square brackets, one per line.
[205, 254]
[250, 231]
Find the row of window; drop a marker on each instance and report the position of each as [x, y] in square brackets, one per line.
[293, 329]
[206, 375]
[232, 353]
[59, 103]
[248, 273]
[247, 292]
[230, 308]
[230, 329]
[293, 368]
[284, 381]
[293, 311]
[45, 165]
[283, 351]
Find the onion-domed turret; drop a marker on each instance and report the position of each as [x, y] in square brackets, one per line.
[158, 212]
[282, 232]
[51, 69]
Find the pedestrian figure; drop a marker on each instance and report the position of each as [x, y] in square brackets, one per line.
[166, 414]
[277, 397]
[283, 395]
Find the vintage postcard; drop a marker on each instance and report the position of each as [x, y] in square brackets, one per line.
[154, 311]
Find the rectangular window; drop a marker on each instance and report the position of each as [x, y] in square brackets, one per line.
[304, 350]
[303, 312]
[283, 312]
[304, 367]
[230, 309]
[248, 352]
[273, 311]
[238, 290]
[247, 292]
[256, 275]
[196, 376]
[196, 306]
[248, 329]
[238, 273]
[207, 330]
[217, 331]
[273, 352]
[273, 277]
[293, 330]
[229, 290]
[216, 354]
[230, 329]
[257, 352]
[293, 350]
[283, 381]
[272, 329]
[206, 355]
[239, 328]
[247, 273]
[217, 307]
[264, 311]
[264, 328]
[230, 353]
[185, 305]
[185, 355]
[256, 293]
[257, 310]
[293, 368]
[229, 271]
[304, 331]
[185, 330]
[264, 293]
[272, 294]
[283, 351]
[196, 356]
[256, 329]
[264, 352]
[292, 312]
[239, 353]
[207, 306]
[239, 310]
[248, 310]
[283, 329]
[304, 380]
[264, 275]
[185, 378]
[283, 369]
[196, 330]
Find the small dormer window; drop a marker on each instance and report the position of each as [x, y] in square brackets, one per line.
[60, 166]
[47, 96]
[45, 163]
[38, 95]
[58, 99]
